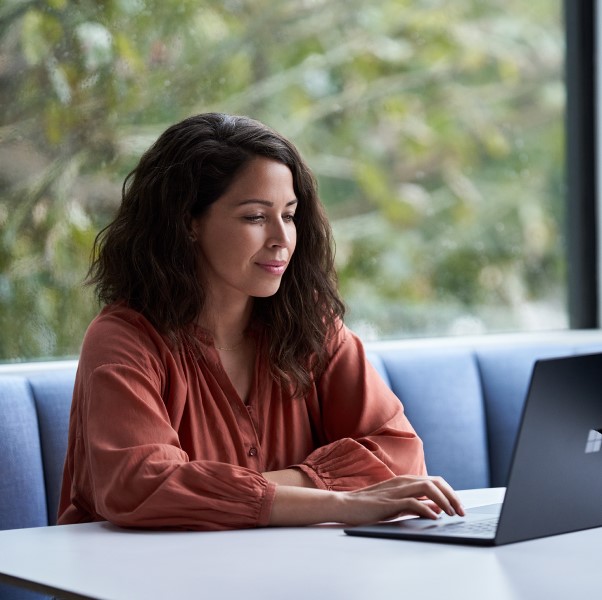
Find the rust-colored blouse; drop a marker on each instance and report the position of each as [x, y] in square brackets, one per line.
[158, 438]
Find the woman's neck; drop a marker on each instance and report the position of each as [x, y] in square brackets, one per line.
[226, 323]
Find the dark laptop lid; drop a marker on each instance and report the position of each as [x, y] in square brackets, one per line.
[555, 482]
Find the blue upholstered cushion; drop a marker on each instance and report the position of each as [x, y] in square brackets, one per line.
[52, 394]
[441, 393]
[505, 373]
[22, 494]
[377, 363]
[33, 438]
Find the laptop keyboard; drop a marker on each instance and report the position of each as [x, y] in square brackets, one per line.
[484, 527]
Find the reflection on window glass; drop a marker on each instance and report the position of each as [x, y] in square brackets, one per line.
[435, 128]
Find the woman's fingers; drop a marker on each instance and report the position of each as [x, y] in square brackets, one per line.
[429, 489]
[440, 492]
[435, 507]
[435, 489]
[419, 508]
[450, 494]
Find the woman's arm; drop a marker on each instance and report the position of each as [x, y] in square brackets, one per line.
[399, 496]
[365, 436]
[290, 477]
[125, 464]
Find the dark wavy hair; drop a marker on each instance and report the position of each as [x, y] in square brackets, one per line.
[145, 257]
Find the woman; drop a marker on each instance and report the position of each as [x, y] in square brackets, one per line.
[218, 387]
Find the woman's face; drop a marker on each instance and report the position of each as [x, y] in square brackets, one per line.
[247, 236]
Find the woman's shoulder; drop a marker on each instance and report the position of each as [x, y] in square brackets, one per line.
[346, 356]
[341, 338]
[120, 320]
[121, 335]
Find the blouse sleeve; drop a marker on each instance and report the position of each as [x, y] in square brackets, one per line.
[125, 462]
[368, 437]
[140, 475]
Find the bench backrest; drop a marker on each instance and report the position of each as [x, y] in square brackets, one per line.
[34, 419]
[465, 397]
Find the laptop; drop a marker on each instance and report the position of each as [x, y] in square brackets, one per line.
[555, 480]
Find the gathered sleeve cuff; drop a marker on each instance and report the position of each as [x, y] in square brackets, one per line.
[344, 465]
[196, 495]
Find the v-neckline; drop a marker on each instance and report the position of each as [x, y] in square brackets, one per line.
[228, 385]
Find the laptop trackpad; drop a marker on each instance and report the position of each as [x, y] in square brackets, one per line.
[473, 515]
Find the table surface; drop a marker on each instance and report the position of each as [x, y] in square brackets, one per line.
[99, 560]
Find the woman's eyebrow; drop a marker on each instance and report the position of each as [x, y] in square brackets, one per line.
[264, 202]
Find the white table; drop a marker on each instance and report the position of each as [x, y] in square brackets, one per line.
[98, 560]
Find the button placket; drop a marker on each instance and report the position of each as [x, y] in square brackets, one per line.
[244, 413]
[251, 431]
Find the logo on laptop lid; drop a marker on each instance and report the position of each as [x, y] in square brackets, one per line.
[594, 441]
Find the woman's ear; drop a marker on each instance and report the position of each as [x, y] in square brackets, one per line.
[194, 229]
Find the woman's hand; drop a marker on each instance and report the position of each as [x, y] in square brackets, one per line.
[399, 496]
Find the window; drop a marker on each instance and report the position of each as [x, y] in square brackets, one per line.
[436, 130]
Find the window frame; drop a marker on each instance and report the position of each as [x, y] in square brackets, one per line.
[582, 23]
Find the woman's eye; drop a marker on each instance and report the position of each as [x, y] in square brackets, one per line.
[289, 218]
[254, 218]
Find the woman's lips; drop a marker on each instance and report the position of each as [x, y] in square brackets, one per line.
[274, 267]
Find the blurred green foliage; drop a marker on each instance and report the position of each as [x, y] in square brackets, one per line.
[436, 130]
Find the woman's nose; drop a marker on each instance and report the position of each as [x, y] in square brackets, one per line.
[279, 234]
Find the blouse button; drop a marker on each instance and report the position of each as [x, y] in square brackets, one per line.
[252, 451]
